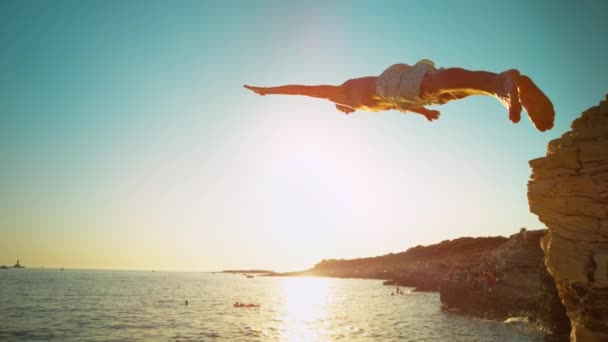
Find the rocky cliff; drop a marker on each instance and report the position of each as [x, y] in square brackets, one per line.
[523, 288]
[568, 191]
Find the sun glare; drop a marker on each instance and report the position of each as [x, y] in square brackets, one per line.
[306, 302]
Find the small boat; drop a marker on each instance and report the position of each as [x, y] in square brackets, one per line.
[249, 276]
[245, 305]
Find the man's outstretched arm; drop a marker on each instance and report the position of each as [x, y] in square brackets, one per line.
[319, 91]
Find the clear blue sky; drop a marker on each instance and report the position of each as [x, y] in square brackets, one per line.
[127, 140]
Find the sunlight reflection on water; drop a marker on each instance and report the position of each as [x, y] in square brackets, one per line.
[306, 302]
[74, 305]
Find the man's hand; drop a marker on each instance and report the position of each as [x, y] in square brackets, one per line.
[429, 114]
[432, 115]
[257, 90]
[344, 109]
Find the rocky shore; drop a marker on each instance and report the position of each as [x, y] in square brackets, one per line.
[521, 286]
[421, 267]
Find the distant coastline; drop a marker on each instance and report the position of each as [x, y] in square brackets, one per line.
[438, 257]
[249, 271]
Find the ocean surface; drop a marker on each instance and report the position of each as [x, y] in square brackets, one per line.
[86, 305]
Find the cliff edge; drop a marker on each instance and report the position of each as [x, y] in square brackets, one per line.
[568, 190]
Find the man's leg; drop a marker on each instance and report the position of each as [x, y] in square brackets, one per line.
[537, 104]
[461, 81]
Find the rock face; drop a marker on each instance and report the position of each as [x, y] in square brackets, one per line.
[568, 191]
[523, 287]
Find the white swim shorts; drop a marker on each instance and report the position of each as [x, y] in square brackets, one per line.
[400, 84]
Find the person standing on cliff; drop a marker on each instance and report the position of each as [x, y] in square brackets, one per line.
[410, 88]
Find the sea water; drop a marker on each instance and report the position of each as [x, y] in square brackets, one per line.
[87, 305]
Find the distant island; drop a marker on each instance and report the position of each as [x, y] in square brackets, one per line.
[17, 265]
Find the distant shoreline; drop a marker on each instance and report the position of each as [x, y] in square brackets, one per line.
[249, 271]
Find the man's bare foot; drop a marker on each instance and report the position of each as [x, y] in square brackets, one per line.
[257, 90]
[508, 94]
[537, 104]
